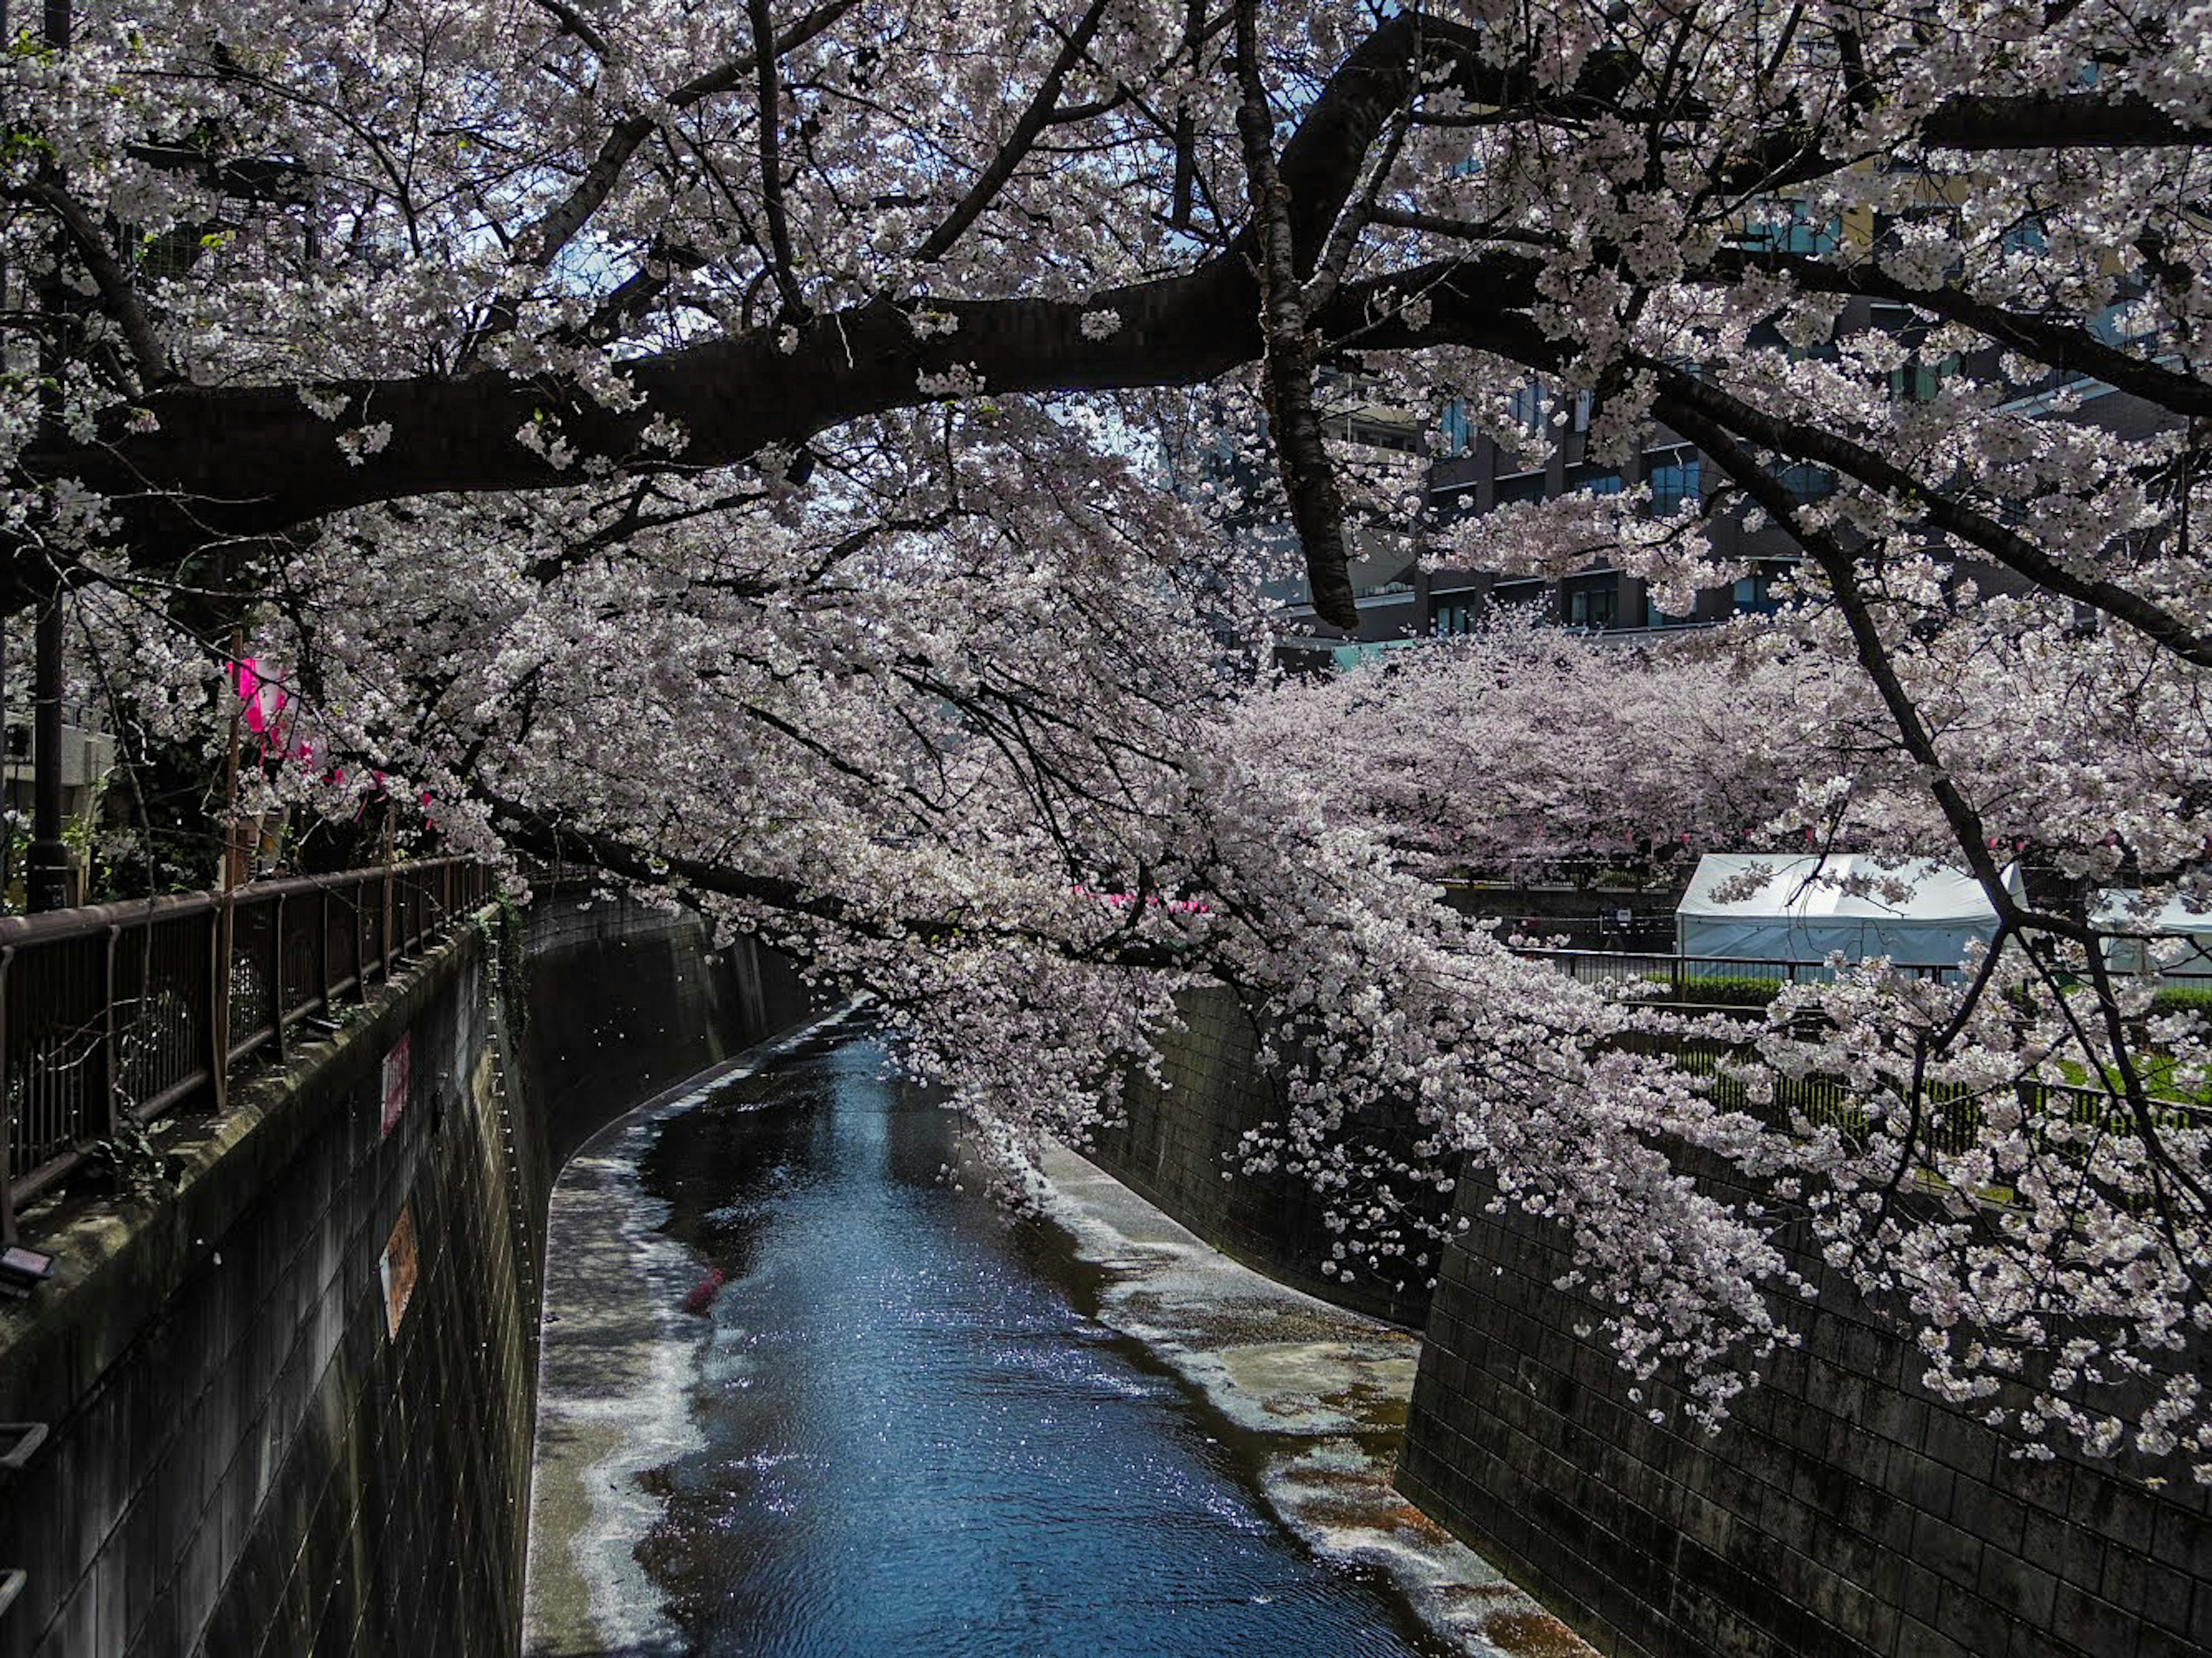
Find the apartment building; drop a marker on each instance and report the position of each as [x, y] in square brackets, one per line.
[1544, 452]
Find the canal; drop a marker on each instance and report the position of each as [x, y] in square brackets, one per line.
[804, 1394]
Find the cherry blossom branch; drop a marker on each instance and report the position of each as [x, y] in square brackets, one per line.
[107, 275]
[1034, 121]
[1286, 361]
[1685, 397]
[1840, 568]
[2061, 345]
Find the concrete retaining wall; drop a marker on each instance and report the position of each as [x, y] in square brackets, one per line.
[267, 1436]
[626, 1000]
[1179, 1141]
[1845, 1512]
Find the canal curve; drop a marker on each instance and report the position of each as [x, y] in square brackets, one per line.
[802, 1394]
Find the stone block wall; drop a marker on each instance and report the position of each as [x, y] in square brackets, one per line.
[1843, 1512]
[1178, 1143]
[263, 1442]
[626, 1000]
[245, 1458]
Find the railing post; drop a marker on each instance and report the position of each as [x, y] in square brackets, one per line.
[323, 947]
[218, 1010]
[277, 974]
[7, 1113]
[110, 1076]
[384, 936]
[360, 955]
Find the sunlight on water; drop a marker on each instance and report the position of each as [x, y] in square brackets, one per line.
[910, 1438]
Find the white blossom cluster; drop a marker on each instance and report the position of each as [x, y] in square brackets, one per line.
[821, 461]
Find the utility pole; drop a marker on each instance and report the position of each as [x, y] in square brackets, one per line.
[46, 868]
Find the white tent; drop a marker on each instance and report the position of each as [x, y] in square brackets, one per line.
[1781, 907]
[2175, 919]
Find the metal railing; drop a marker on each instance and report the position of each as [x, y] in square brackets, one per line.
[121, 1013]
[1682, 976]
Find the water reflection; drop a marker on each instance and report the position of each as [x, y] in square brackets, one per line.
[916, 1440]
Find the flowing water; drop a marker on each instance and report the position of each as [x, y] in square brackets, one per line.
[899, 1427]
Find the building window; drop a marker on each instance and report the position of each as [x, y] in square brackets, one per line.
[1520, 486]
[1919, 379]
[1456, 614]
[1756, 594]
[1805, 483]
[1594, 480]
[1594, 602]
[1456, 435]
[1655, 618]
[1674, 480]
[1786, 227]
[1527, 407]
[1452, 502]
[1532, 593]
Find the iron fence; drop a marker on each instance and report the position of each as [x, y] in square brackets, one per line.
[1728, 980]
[117, 1014]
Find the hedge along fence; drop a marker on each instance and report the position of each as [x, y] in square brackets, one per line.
[1951, 1114]
[1759, 990]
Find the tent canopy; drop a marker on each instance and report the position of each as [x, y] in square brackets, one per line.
[2175, 919]
[1798, 909]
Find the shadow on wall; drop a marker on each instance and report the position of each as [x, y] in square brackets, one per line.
[626, 1000]
[1177, 1143]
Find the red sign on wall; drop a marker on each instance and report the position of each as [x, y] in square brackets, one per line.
[398, 1065]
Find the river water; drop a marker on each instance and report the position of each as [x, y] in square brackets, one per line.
[899, 1427]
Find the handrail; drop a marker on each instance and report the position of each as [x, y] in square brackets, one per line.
[1684, 972]
[124, 1012]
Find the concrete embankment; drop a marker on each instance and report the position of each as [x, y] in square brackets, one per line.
[288, 1407]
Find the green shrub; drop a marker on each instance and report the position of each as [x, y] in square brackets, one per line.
[2180, 1000]
[1721, 990]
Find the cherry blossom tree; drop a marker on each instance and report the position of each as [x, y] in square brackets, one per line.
[1520, 748]
[787, 454]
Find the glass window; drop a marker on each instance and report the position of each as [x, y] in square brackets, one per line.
[1520, 486]
[1456, 614]
[1672, 481]
[1531, 594]
[1787, 228]
[1918, 380]
[1755, 594]
[1594, 603]
[1456, 433]
[1806, 482]
[1527, 407]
